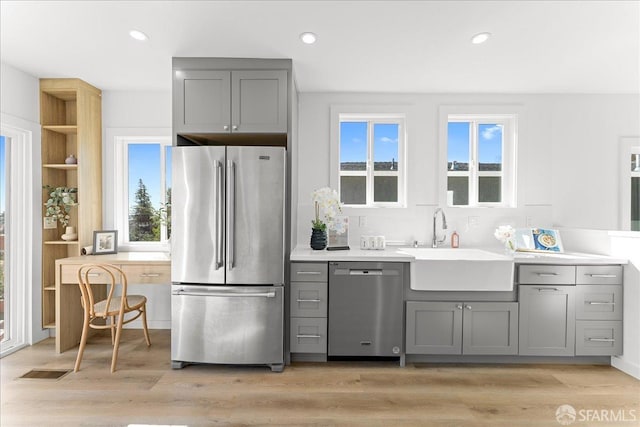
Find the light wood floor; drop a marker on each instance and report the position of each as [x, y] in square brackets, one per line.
[145, 390]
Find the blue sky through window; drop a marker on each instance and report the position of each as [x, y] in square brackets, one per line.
[353, 142]
[144, 163]
[489, 142]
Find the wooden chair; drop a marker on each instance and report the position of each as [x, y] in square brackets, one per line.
[114, 307]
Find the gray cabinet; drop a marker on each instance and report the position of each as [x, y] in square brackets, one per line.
[547, 320]
[489, 328]
[223, 101]
[308, 307]
[599, 319]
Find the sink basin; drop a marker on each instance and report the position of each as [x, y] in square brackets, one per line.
[444, 269]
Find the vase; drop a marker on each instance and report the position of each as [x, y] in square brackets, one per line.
[70, 234]
[318, 239]
[509, 248]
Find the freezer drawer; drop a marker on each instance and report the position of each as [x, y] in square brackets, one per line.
[365, 309]
[228, 325]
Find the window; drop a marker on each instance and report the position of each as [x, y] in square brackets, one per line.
[480, 163]
[142, 200]
[630, 183]
[371, 169]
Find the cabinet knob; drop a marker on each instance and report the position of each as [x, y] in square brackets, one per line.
[234, 127]
[459, 306]
[225, 127]
[468, 307]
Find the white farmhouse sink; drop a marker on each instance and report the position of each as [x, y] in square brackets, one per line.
[444, 269]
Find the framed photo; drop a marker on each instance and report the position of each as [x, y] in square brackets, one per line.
[538, 240]
[339, 234]
[49, 223]
[105, 242]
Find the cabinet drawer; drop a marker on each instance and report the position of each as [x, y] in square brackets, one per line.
[547, 275]
[308, 299]
[599, 302]
[599, 275]
[69, 274]
[308, 335]
[598, 338]
[147, 273]
[309, 272]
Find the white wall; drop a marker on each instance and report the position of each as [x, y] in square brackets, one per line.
[133, 113]
[567, 160]
[19, 105]
[585, 133]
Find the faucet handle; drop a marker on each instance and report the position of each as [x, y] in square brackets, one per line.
[415, 243]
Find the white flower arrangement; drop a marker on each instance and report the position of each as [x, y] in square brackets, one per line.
[505, 234]
[327, 202]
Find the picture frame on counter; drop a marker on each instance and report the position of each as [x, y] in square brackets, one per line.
[538, 240]
[105, 242]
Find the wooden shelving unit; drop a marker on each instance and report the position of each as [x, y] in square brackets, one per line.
[71, 120]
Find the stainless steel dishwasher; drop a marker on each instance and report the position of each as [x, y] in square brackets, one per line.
[365, 309]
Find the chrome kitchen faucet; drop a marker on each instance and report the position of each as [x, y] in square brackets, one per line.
[435, 242]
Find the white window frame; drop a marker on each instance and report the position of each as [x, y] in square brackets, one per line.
[371, 115]
[23, 227]
[628, 146]
[117, 175]
[508, 118]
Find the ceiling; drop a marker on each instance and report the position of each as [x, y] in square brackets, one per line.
[363, 46]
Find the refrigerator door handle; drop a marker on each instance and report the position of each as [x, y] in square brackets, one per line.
[218, 213]
[231, 213]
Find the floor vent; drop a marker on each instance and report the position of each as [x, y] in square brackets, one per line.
[46, 374]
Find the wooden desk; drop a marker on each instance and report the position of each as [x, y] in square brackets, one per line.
[140, 268]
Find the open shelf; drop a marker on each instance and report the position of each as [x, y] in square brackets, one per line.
[60, 166]
[63, 129]
[61, 242]
[49, 326]
[50, 288]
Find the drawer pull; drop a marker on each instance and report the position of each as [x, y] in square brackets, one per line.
[547, 289]
[309, 273]
[600, 303]
[601, 339]
[601, 276]
[365, 342]
[308, 300]
[308, 336]
[547, 274]
[149, 274]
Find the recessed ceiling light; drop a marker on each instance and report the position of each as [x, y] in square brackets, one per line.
[480, 38]
[308, 38]
[138, 35]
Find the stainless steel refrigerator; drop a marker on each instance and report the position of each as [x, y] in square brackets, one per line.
[227, 250]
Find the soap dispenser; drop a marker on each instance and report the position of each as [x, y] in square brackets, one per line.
[455, 239]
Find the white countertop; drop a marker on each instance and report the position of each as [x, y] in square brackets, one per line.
[392, 254]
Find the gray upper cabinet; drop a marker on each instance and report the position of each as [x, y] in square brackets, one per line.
[547, 320]
[222, 101]
[202, 101]
[259, 101]
[462, 328]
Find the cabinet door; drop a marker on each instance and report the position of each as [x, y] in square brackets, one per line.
[259, 101]
[490, 328]
[201, 101]
[547, 320]
[434, 327]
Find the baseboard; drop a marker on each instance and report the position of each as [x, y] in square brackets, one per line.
[625, 366]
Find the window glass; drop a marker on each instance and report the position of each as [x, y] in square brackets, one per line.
[458, 146]
[489, 189]
[458, 190]
[490, 147]
[385, 147]
[385, 188]
[147, 193]
[353, 190]
[353, 146]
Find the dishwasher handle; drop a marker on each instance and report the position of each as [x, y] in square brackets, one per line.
[362, 272]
